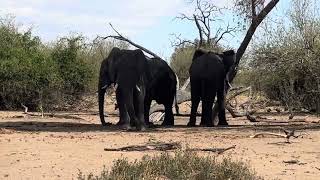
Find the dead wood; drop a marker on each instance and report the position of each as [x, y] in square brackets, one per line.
[216, 150]
[122, 38]
[287, 134]
[166, 147]
[148, 147]
[237, 92]
[291, 161]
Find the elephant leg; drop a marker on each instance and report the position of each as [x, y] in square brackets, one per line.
[147, 104]
[207, 113]
[221, 106]
[124, 116]
[195, 100]
[168, 118]
[138, 101]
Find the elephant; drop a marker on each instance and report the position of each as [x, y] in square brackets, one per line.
[162, 89]
[158, 83]
[208, 78]
[128, 69]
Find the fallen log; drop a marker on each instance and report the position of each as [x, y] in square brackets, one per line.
[216, 150]
[148, 147]
[287, 134]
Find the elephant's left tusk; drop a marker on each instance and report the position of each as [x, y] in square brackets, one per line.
[104, 87]
[229, 84]
[138, 88]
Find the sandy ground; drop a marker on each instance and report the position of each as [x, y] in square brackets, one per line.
[32, 147]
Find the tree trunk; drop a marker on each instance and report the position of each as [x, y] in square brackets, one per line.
[256, 21]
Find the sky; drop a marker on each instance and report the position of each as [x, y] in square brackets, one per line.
[149, 23]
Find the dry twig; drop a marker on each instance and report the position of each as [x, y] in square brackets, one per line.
[148, 147]
[287, 134]
[217, 150]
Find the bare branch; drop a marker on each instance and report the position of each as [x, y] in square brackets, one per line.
[122, 38]
[229, 30]
[181, 42]
[199, 29]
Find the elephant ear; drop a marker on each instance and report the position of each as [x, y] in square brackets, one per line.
[229, 58]
[198, 53]
[113, 60]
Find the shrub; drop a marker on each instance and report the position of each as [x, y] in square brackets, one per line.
[47, 76]
[183, 165]
[75, 72]
[285, 66]
[27, 74]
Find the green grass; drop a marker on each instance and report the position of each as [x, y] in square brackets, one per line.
[182, 165]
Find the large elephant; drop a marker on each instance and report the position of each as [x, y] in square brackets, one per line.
[208, 73]
[128, 69]
[159, 83]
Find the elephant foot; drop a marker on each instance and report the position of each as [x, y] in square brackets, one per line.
[106, 124]
[166, 123]
[141, 128]
[191, 124]
[209, 125]
[120, 123]
[150, 124]
[223, 123]
[125, 126]
[202, 123]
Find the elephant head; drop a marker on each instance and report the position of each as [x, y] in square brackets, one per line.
[106, 78]
[229, 58]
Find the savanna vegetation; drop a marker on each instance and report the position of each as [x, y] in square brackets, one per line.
[183, 165]
[47, 76]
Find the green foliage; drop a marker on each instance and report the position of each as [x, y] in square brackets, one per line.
[181, 60]
[183, 165]
[74, 70]
[28, 75]
[285, 66]
[45, 76]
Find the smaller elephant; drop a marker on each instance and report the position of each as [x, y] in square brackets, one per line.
[208, 78]
[162, 88]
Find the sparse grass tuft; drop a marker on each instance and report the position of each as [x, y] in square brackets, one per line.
[183, 165]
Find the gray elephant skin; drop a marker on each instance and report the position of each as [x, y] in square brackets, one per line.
[139, 81]
[208, 72]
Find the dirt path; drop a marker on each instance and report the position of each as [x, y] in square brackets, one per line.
[57, 148]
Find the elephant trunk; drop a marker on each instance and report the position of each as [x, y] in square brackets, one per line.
[102, 88]
[101, 93]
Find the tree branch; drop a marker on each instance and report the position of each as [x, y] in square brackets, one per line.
[199, 29]
[122, 38]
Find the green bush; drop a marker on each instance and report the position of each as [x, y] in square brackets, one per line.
[75, 72]
[180, 62]
[27, 74]
[285, 65]
[183, 165]
[47, 76]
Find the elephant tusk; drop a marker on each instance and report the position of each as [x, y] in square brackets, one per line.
[138, 88]
[104, 87]
[116, 86]
[229, 84]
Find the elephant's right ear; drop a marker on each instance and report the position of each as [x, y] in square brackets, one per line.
[198, 53]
